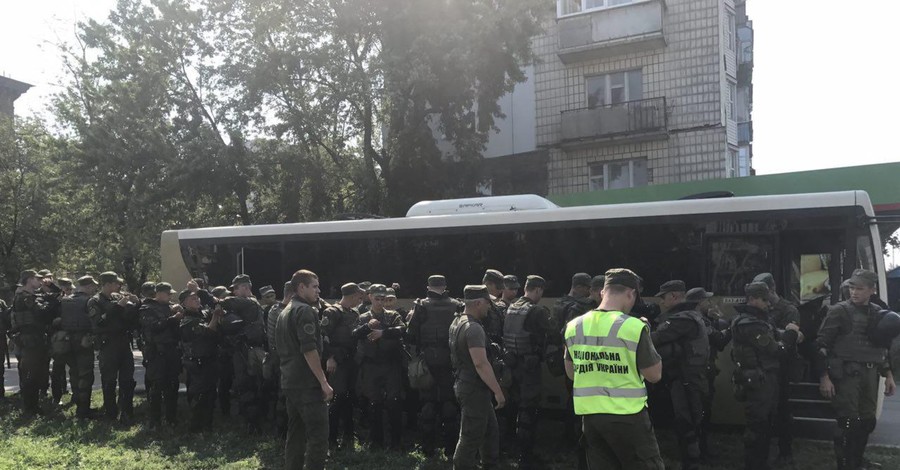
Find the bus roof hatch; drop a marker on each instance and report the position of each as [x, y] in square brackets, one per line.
[475, 205]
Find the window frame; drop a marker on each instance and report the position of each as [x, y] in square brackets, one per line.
[584, 9]
[732, 101]
[731, 31]
[607, 87]
[605, 168]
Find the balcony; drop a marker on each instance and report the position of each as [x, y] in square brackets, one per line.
[623, 122]
[608, 32]
[745, 132]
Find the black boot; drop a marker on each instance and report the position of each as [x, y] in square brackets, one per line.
[376, 425]
[842, 445]
[110, 410]
[395, 420]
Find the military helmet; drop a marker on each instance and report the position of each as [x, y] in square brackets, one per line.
[888, 327]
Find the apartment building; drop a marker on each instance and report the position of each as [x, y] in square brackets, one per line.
[630, 93]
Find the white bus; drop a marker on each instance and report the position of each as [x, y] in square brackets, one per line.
[810, 242]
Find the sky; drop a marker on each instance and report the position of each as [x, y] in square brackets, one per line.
[824, 90]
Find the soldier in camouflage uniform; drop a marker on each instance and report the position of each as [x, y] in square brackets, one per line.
[76, 325]
[299, 343]
[338, 323]
[782, 313]
[475, 384]
[525, 331]
[683, 342]
[159, 323]
[199, 342]
[757, 353]
[428, 333]
[114, 317]
[379, 337]
[58, 371]
[853, 367]
[30, 322]
[244, 333]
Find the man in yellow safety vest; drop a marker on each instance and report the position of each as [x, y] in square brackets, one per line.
[608, 356]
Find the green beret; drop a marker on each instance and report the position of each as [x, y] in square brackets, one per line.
[863, 278]
[183, 295]
[510, 282]
[671, 286]
[476, 292]
[148, 289]
[110, 277]
[534, 281]
[767, 278]
[266, 290]
[437, 280]
[220, 291]
[758, 290]
[26, 275]
[622, 277]
[240, 279]
[351, 288]
[164, 287]
[86, 281]
[492, 275]
[697, 294]
[581, 279]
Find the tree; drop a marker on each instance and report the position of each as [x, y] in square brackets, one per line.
[332, 76]
[27, 198]
[147, 142]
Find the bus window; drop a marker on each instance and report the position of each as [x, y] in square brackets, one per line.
[811, 276]
[865, 257]
[733, 261]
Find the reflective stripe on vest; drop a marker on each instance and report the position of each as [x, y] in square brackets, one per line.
[603, 347]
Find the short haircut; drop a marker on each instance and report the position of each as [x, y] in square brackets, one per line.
[616, 288]
[303, 276]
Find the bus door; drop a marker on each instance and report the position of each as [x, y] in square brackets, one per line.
[810, 278]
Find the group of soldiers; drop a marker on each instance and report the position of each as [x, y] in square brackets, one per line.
[313, 366]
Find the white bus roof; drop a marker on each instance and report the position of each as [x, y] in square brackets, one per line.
[600, 212]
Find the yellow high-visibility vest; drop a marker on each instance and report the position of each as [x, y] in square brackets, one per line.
[603, 348]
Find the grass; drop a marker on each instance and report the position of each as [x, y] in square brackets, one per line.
[59, 441]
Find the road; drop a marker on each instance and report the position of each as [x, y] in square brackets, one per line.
[12, 375]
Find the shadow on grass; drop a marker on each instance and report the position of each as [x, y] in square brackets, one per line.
[62, 440]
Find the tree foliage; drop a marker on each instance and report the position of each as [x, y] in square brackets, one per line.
[187, 113]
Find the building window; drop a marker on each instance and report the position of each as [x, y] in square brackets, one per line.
[570, 7]
[730, 30]
[744, 161]
[614, 88]
[618, 175]
[733, 167]
[732, 100]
